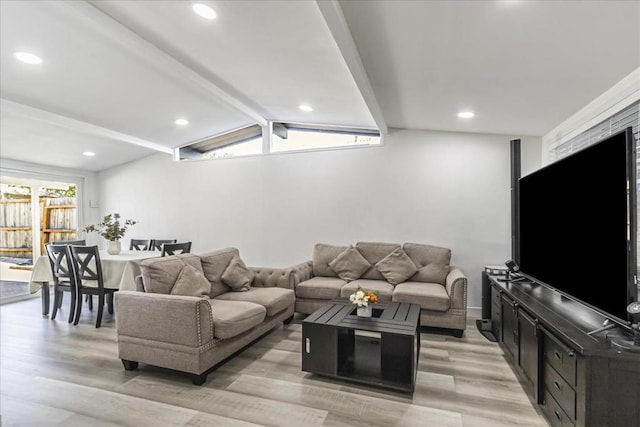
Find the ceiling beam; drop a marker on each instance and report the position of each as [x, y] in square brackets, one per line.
[77, 125]
[162, 57]
[333, 16]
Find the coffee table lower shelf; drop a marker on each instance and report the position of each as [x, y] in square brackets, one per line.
[364, 367]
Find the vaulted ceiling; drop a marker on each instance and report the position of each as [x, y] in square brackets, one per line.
[115, 75]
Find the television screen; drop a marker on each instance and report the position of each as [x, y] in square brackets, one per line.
[577, 223]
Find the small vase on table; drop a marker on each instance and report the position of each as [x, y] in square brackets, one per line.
[114, 247]
[364, 311]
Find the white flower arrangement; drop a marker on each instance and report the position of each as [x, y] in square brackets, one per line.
[362, 298]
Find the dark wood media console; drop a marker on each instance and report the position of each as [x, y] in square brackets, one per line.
[577, 378]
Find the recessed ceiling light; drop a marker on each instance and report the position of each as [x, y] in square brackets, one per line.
[28, 58]
[466, 114]
[182, 122]
[304, 107]
[89, 153]
[204, 11]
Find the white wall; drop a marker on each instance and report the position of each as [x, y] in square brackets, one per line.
[438, 188]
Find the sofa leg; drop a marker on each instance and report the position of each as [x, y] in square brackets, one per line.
[130, 365]
[199, 379]
[458, 333]
[288, 320]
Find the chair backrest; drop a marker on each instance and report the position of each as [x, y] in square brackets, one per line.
[156, 244]
[176, 248]
[139, 245]
[60, 263]
[86, 265]
[70, 242]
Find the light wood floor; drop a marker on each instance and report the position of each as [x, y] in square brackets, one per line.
[56, 374]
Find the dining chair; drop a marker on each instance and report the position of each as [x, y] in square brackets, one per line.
[70, 242]
[156, 244]
[176, 248]
[140, 244]
[82, 242]
[63, 278]
[87, 270]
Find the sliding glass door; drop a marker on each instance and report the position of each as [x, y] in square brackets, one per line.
[32, 213]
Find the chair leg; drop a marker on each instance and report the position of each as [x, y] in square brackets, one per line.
[61, 298]
[90, 301]
[57, 296]
[72, 306]
[110, 303]
[78, 309]
[100, 310]
[45, 298]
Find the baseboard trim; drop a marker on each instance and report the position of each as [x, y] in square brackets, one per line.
[475, 312]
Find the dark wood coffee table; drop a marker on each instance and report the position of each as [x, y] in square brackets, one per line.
[382, 350]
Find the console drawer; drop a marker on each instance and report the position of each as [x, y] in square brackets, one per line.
[563, 393]
[554, 413]
[562, 358]
[495, 297]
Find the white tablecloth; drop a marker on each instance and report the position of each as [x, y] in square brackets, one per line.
[118, 271]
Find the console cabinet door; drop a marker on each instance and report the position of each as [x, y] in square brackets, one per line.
[509, 326]
[528, 358]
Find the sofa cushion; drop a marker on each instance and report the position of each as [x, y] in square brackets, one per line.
[430, 296]
[432, 262]
[237, 276]
[192, 283]
[322, 255]
[396, 267]
[374, 252]
[320, 288]
[160, 274]
[231, 318]
[350, 264]
[384, 289]
[274, 300]
[213, 265]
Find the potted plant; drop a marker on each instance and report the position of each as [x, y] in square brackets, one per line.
[112, 229]
[363, 300]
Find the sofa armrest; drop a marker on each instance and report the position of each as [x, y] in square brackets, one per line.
[302, 272]
[172, 319]
[272, 277]
[456, 284]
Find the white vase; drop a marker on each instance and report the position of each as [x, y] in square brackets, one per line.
[364, 311]
[114, 247]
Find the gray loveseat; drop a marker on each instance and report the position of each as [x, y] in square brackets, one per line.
[192, 311]
[413, 273]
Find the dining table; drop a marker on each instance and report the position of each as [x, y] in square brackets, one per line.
[118, 271]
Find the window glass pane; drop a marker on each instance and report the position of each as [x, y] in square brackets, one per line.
[252, 146]
[309, 140]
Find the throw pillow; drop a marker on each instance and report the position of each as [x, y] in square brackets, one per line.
[322, 255]
[192, 283]
[350, 264]
[237, 276]
[396, 267]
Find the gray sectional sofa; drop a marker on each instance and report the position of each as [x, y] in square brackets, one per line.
[413, 273]
[192, 311]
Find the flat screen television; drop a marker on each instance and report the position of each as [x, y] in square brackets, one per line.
[577, 229]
